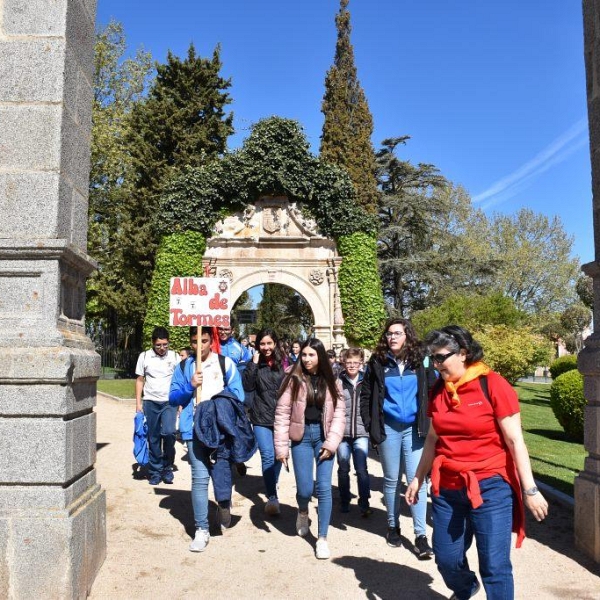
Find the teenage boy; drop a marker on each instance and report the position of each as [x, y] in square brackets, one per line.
[154, 370]
[190, 385]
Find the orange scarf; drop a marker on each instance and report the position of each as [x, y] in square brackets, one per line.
[473, 372]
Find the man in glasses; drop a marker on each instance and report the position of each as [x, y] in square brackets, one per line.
[154, 371]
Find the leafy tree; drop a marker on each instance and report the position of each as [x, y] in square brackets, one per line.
[585, 290]
[285, 311]
[575, 320]
[119, 85]
[348, 125]
[182, 123]
[513, 352]
[532, 254]
[473, 311]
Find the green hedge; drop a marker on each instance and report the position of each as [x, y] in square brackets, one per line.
[562, 365]
[179, 255]
[568, 403]
[360, 289]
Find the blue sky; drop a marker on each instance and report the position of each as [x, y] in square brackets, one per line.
[492, 93]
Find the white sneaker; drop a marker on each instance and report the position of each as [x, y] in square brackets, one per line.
[322, 552]
[272, 507]
[302, 524]
[200, 541]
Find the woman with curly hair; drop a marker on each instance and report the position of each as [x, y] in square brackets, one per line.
[311, 413]
[393, 407]
[261, 379]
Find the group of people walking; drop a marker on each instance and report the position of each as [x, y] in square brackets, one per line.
[429, 409]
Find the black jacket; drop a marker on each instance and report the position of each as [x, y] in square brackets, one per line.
[263, 382]
[373, 394]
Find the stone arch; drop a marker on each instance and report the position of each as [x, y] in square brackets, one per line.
[272, 242]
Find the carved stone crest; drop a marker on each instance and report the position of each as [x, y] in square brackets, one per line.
[226, 273]
[316, 277]
[271, 219]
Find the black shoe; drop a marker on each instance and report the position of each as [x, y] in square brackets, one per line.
[475, 589]
[241, 469]
[168, 477]
[393, 538]
[422, 549]
[224, 517]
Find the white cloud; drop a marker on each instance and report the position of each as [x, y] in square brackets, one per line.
[556, 152]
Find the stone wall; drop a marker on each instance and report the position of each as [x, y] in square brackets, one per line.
[52, 510]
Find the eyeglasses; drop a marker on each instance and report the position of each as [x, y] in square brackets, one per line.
[161, 345]
[441, 358]
[393, 334]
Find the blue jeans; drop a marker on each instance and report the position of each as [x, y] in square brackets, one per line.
[358, 448]
[304, 455]
[270, 467]
[202, 471]
[161, 418]
[454, 524]
[402, 448]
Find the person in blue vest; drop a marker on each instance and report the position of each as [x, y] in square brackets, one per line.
[231, 347]
[189, 387]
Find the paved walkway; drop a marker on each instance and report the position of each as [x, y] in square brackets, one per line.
[149, 529]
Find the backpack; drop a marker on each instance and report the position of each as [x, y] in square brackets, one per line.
[221, 364]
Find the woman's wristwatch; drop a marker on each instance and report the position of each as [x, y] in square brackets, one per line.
[532, 491]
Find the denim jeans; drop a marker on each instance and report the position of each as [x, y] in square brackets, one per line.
[358, 448]
[202, 471]
[270, 467]
[304, 455]
[401, 450]
[161, 418]
[455, 523]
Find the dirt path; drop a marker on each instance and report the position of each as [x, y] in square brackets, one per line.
[149, 529]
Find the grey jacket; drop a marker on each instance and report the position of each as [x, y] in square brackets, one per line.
[354, 423]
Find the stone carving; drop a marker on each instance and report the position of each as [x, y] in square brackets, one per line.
[316, 277]
[272, 219]
[243, 225]
[307, 226]
[226, 273]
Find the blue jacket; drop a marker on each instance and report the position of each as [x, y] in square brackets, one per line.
[140, 438]
[221, 424]
[236, 352]
[182, 392]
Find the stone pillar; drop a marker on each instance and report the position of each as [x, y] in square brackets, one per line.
[587, 483]
[52, 511]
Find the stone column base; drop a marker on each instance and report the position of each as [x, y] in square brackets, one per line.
[47, 551]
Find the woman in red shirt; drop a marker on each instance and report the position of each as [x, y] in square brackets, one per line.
[480, 470]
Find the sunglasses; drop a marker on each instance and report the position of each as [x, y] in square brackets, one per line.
[441, 358]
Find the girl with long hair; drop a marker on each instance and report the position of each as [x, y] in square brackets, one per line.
[393, 406]
[312, 414]
[262, 378]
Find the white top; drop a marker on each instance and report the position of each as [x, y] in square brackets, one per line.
[212, 376]
[157, 372]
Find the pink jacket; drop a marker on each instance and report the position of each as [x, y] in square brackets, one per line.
[289, 420]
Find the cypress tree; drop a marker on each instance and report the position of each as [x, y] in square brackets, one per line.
[348, 126]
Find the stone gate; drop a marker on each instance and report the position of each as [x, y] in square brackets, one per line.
[272, 242]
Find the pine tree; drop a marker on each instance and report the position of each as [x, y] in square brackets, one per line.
[182, 123]
[348, 126]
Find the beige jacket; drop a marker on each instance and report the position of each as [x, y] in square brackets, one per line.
[289, 420]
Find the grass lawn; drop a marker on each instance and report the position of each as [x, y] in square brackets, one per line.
[555, 459]
[122, 388]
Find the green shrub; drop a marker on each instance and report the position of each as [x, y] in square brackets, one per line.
[568, 403]
[562, 365]
[513, 352]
